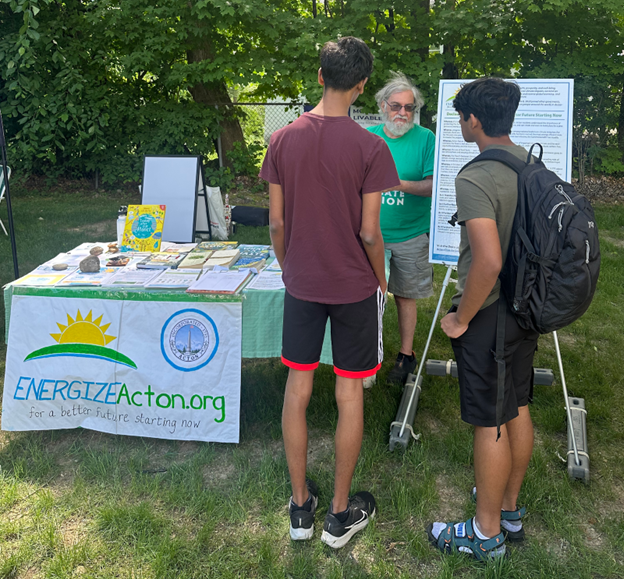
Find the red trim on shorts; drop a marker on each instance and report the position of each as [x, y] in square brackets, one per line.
[363, 374]
[300, 367]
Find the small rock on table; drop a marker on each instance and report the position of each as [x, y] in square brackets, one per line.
[90, 264]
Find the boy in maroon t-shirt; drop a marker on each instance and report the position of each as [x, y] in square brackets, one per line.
[325, 176]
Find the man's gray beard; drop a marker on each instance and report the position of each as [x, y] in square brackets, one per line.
[398, 130]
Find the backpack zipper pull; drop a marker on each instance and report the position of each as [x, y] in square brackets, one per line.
[560, 190]
[552, 211]
[586, 251]
[560, 219]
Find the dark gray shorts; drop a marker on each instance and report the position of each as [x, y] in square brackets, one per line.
[411, 274]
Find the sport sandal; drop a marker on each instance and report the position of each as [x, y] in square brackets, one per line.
[511, 521]
[461, 537]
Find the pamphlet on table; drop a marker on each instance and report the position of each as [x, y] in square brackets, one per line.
[79, 278]
[220, 282]
[130, 278]
[175, 279]
[267, 280]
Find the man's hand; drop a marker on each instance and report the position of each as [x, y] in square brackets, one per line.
[451, 326]
[418, 188]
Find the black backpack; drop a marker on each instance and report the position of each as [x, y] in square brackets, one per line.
[553, 261]
[552, 266]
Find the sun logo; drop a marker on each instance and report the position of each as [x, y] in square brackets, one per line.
[82, 338]
[83, 331]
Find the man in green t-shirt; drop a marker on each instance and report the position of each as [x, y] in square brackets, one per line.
[406, 211]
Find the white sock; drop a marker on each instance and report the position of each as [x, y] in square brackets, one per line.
[478, 530]
[437, 529]
[513, 526]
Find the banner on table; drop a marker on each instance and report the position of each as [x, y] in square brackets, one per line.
[544, 116]
[142, 368]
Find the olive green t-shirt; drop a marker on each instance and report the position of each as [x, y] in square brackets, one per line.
[486, 189]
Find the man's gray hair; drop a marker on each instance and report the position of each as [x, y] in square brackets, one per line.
[398, 83]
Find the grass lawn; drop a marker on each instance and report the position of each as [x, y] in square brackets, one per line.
[77, 503]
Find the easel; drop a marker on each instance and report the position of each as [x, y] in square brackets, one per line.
[402, 429]
[403, 423]
[177, 181]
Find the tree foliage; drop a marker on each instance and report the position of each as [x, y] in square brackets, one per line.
[93, 85]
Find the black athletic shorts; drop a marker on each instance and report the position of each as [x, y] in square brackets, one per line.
[357, 347]
[478, 371]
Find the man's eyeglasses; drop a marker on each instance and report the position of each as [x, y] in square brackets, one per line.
[396, 107]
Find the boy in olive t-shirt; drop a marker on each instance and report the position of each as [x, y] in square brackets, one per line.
[486, 202]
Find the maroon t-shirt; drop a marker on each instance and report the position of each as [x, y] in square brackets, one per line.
[324, 166]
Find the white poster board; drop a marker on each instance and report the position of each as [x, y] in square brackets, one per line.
[544, 116]
[162, 369]
[177, 182]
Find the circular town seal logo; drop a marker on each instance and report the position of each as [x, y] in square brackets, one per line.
[189, 340]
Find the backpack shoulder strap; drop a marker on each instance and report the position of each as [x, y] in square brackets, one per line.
[502, 157]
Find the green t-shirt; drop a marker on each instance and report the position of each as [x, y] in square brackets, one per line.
[405, 216]
[486, 189]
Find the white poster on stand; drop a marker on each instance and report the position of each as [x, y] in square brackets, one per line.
[162, 369]
[544, 116]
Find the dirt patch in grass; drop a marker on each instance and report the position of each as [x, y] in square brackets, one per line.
[218, 473]
[73, 531]
[430, 424]
[593, 539]
[451, 499]
[320, 449]
[92, 228]
[614, 502]
[564, 338]
[616, 242]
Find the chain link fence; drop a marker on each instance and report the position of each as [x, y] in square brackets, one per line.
[260, 120]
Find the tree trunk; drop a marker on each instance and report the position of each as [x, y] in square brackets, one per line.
[621, 125]
[449, 70]
[215, 94]
[422, 31]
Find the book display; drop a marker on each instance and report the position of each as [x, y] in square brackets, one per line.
[195, 267]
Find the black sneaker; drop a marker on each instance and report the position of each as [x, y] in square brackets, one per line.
[361, 509]
[302, 518]
[402, 367]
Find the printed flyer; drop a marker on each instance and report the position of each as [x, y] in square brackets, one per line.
[162, 369]
[544, 116]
